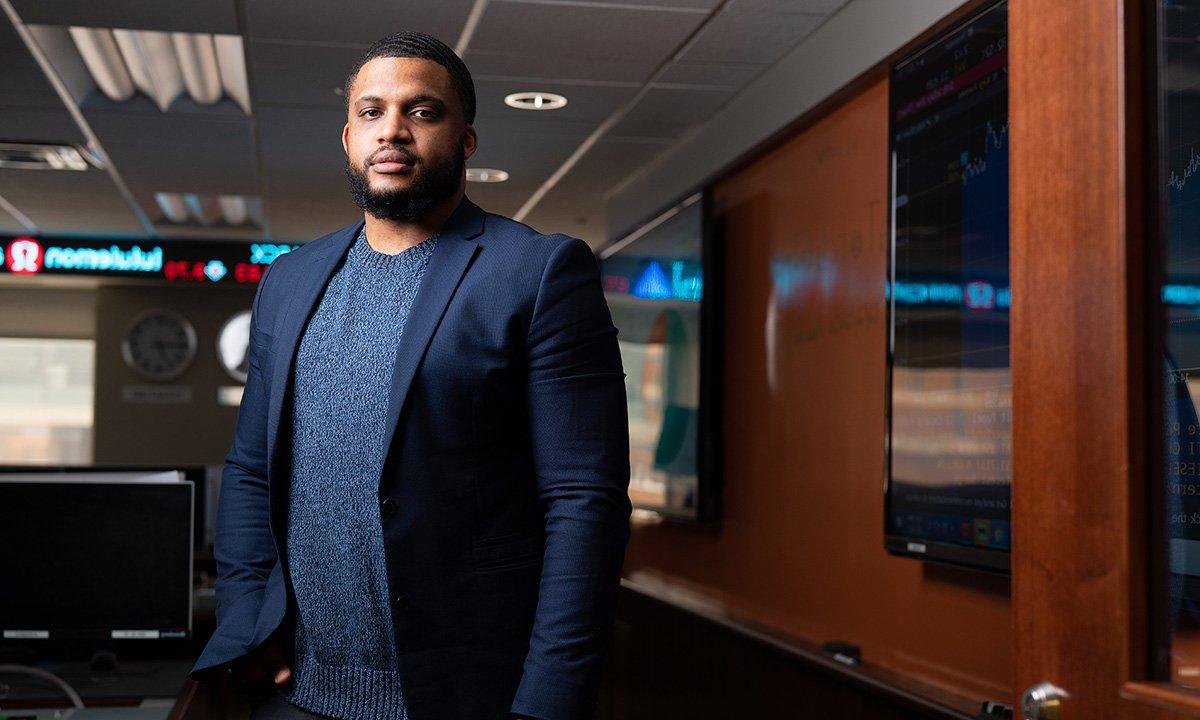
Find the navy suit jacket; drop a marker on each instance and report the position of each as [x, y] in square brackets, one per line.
[504, 490]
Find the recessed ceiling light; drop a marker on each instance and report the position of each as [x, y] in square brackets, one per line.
[486, 175]
[535, 100]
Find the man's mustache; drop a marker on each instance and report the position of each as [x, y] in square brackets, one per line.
[393, 154]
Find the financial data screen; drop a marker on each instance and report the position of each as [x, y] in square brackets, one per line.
[950, 434]
[654, 285]
[1179, 101]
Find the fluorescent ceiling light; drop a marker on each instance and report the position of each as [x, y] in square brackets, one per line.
[103, 60]
[208, 210]
[204, 209]
[162, 65]
[150, 58]
[486, 175]
[535, 100]
[198, 62]
[232, 64]
[172, 206]
[233, 208]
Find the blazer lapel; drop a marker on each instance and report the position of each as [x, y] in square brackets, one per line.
[449, 262]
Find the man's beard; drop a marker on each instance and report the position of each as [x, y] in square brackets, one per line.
[433, 184]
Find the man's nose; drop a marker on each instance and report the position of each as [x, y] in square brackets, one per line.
[394, 128]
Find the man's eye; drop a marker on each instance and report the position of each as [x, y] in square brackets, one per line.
[364, 112]
[431, 113]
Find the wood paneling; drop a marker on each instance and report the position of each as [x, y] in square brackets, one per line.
[801, 545]
[1080, 359]
[672, 661]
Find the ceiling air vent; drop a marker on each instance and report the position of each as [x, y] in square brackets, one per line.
[33, 156]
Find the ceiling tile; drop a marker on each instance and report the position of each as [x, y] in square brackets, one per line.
[668, 112]
[303, 164]
[678, 5]
[608, 162]
[511, 64]
[22, 83]
[210, 16]
[529, 155]
[560, 31]
[38, 125]
[304, 217]
[300, 73]
[723, 39]
[726, 75]
[811, 7]
[179, 152]
[576, 214]
[364, 22]
[69, 202]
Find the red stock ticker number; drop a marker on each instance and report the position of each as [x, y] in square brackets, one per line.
[194, 271]
[248, 272]
[183, 270]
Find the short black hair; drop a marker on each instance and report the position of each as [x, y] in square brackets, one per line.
[411, 43]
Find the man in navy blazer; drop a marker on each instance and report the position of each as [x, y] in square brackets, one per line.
[503, 485]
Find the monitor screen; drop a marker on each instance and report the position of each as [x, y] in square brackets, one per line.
[949, 379]
[95, 559]
[657, 285]
[1179, 323]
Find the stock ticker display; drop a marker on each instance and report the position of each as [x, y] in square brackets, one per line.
[188, 261]
[950, 419]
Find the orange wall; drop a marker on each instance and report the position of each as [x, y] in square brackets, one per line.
[801, 545]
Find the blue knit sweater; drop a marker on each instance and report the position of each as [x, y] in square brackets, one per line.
[345, 664]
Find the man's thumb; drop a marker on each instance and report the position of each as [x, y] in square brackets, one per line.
[283, 675]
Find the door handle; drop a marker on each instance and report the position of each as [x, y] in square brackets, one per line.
[1043, 702]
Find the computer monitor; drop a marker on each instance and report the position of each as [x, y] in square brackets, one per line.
[96, 556]
[204, 477]
[662, 293]
[949, 439]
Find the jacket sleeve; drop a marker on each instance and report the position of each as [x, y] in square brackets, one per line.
[243, 548]
[579, 427]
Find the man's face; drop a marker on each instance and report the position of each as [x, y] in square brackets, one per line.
[406, 139]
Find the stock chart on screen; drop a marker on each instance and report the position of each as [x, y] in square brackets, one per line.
[950, 388]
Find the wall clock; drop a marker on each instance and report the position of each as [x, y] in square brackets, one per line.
[233, 345]
[159, 344]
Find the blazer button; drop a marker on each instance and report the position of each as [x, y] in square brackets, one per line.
[402, 602]
[389, 507]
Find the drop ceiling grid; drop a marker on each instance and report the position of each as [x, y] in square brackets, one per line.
[596, 53]
[84, 202]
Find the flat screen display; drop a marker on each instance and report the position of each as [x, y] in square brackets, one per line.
[1176, 344]
[98, 560]
[949, 378]
[658, 291]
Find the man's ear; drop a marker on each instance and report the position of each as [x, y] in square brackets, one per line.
[345, 135]
[470, 142]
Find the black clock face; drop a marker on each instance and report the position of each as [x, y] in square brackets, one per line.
[160, 344]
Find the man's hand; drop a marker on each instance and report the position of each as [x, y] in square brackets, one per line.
[268, 659]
